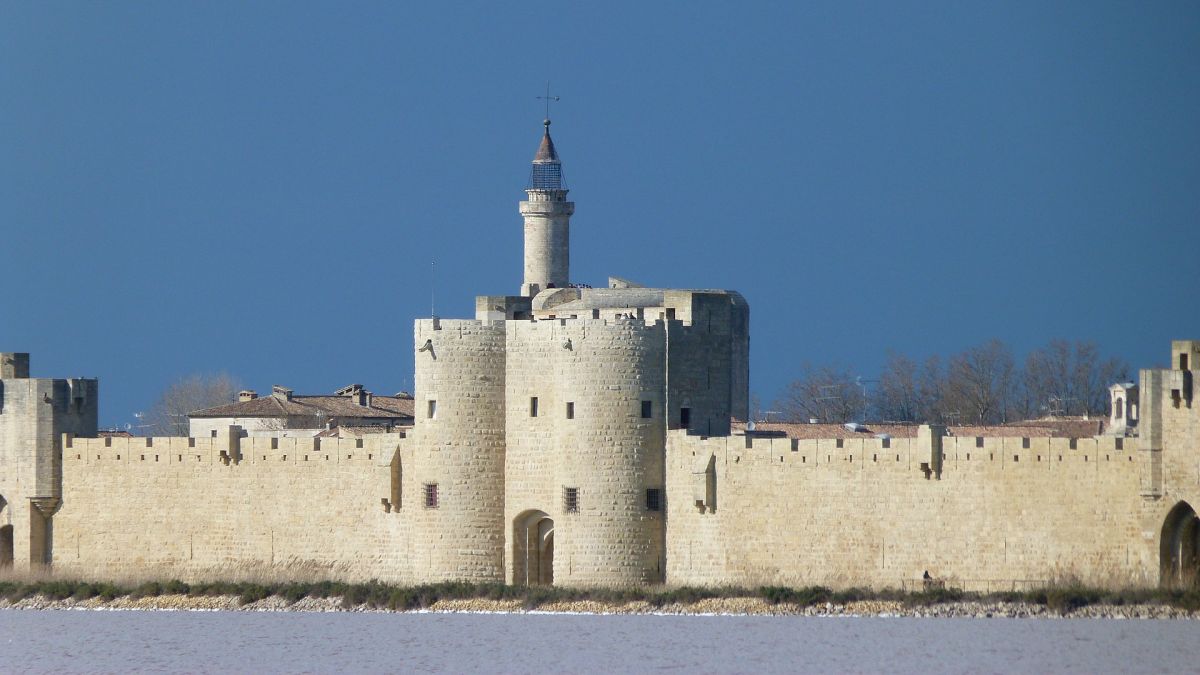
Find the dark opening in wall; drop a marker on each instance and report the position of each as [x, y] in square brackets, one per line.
[1025, 443]
[647, 410]
[887, 442]
[431, 495]
[533, 406]
[1074, 443]
[570, 500]
[653, 499]
[979, 441]
[570, 410]
[1120, 443]
[431, 409]
[595, 314]
[685, 417]
[839, 442]
[1183, 361]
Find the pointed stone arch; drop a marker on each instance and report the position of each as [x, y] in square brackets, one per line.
[533, 549]
[1179, 547]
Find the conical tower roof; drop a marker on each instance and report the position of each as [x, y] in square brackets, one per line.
[547, 169]
[546, 151]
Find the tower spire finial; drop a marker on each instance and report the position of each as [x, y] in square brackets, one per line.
[547, 98]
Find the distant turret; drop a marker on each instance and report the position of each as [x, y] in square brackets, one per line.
[547, 222]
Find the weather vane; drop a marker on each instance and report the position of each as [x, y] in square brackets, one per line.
[548, 98]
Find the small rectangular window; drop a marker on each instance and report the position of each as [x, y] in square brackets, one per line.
[1120, 443]
[1025, 443]
[570, 500]
[533, 406]
[685, 417]
[653, 499]
[979, 441]
[431, 495]
[839, 442]
[570, 410]
[431, 409]
[1074, 444]
[1183, 361]
[647, 410]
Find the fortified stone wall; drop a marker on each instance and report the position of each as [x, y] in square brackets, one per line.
[1002, 513]
[605, 450]
[229, 508]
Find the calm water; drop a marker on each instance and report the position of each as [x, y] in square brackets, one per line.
[79, 641]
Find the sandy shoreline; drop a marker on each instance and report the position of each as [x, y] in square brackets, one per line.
[711, 606]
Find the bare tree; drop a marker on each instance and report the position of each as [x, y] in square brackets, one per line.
[898, 396]
[981, 382]
[826, 394]
[168, 415]
[1067, 379]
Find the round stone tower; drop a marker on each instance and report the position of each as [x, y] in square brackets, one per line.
[585, 451]
[454, 492]
[547, 222]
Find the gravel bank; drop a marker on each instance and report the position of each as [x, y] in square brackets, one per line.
[710, 606]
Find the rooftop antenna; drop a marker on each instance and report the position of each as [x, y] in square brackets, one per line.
[548, 98]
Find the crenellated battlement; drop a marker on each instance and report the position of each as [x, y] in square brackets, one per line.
[232, 450]
[999, 453]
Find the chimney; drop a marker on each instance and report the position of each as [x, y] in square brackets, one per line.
[246, 395]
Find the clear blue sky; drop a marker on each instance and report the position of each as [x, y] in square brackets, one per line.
[260, 187]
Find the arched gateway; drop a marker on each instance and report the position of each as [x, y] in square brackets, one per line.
[1179, 547]
[533, 549]
[6, 535]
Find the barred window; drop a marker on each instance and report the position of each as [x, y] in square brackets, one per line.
[570, 500]
[431, 495]
[653, 499]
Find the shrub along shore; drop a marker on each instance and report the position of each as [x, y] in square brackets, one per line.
[1066, 600]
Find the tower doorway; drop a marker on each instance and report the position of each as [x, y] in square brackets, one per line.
[1179, 547]
[533, 549]
[6, 536]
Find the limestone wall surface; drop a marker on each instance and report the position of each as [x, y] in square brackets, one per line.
[185, 508]
[34, 412]
[1004, 513]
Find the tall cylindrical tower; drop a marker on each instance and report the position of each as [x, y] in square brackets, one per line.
[454, 492]
[547, 222]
